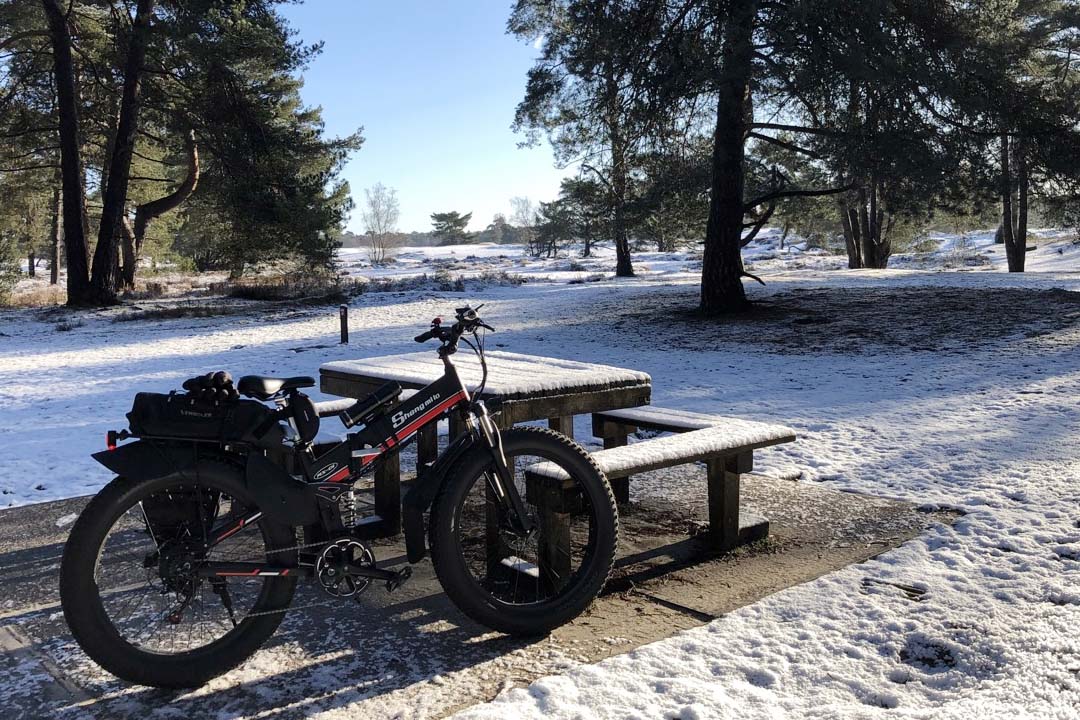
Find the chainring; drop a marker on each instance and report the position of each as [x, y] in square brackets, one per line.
[332, 567]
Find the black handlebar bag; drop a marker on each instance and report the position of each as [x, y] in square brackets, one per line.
[181, 416]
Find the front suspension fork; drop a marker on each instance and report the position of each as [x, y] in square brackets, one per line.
[502, 480]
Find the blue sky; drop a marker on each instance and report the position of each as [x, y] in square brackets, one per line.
[434, 84]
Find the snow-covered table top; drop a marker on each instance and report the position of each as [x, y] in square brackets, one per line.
[510, 374]
[540, 387]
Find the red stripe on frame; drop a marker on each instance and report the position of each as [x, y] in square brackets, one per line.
[416, 424]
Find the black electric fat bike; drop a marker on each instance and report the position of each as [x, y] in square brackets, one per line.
[185, 564]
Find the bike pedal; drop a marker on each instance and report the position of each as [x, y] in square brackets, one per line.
[399, 579]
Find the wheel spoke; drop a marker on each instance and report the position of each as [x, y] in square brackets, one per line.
[146, 576]
[508, 567]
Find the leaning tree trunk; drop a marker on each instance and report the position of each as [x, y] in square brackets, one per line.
[145, 213]
[106, 277]
[56, 236]
[74, 200]
[722, 268]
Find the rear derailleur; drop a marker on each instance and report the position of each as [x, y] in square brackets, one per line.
[346, 567]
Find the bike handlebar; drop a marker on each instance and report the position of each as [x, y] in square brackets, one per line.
[467, 321]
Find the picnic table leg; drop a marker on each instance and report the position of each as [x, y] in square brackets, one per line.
[724, 480]
[427, 446]
[563, 424]
[723, 504]
[388, 493]
[615, 435]
[554, 548]
[457, 426]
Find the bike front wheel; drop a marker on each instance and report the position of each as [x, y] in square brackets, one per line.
[525, 584]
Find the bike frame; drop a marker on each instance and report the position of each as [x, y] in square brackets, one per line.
[334, 470]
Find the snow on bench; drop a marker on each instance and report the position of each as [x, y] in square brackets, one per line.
[730, 437]
[726, 445]
[650, 417]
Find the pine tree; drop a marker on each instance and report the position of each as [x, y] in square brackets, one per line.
[449, 227]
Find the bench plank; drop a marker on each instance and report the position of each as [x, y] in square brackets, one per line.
[734, 437]
[651, 417]
[727, 446]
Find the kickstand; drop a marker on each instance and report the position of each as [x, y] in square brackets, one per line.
[222, 591]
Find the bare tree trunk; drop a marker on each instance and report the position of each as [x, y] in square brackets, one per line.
[74, 199]
[1018, 257]
[31, 263]
[1007, 219]
[851, 239]
[624, 266]
[106, 276]
[722, 269]
[147, 212]
[56, 236]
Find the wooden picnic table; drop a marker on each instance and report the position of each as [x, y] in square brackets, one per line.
[522, 388]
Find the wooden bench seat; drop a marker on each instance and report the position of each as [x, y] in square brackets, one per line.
[725, 445]
[613, 423]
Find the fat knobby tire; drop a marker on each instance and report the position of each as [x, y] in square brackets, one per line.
[538, 618]
[95, 633]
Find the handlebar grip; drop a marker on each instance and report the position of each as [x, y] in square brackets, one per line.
[424, 337]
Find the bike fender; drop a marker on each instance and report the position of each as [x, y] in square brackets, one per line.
[145, 460]
[420, 496]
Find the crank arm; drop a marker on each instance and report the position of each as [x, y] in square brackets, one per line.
[393, 578]
[371, 572]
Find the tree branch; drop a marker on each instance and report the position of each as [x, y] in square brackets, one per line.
[757, 228]
[8, 42]
[26, 168]
[798, 129]
[776, 195]
[784, 144]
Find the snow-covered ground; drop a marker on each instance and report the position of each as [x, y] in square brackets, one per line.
[963, 394]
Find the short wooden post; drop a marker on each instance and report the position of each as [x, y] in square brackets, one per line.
[388, 494]
[723, 503]
[563, 424]
[343, 316]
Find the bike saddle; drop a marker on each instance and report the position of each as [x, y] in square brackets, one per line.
[264, 388]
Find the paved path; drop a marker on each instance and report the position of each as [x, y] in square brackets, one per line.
[410, 653]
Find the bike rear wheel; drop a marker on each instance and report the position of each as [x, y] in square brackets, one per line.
[129, 587]
[525, 585]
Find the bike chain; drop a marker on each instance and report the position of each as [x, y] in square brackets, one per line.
[282, 611]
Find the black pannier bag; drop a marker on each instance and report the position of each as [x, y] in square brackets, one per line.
[180, 416]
